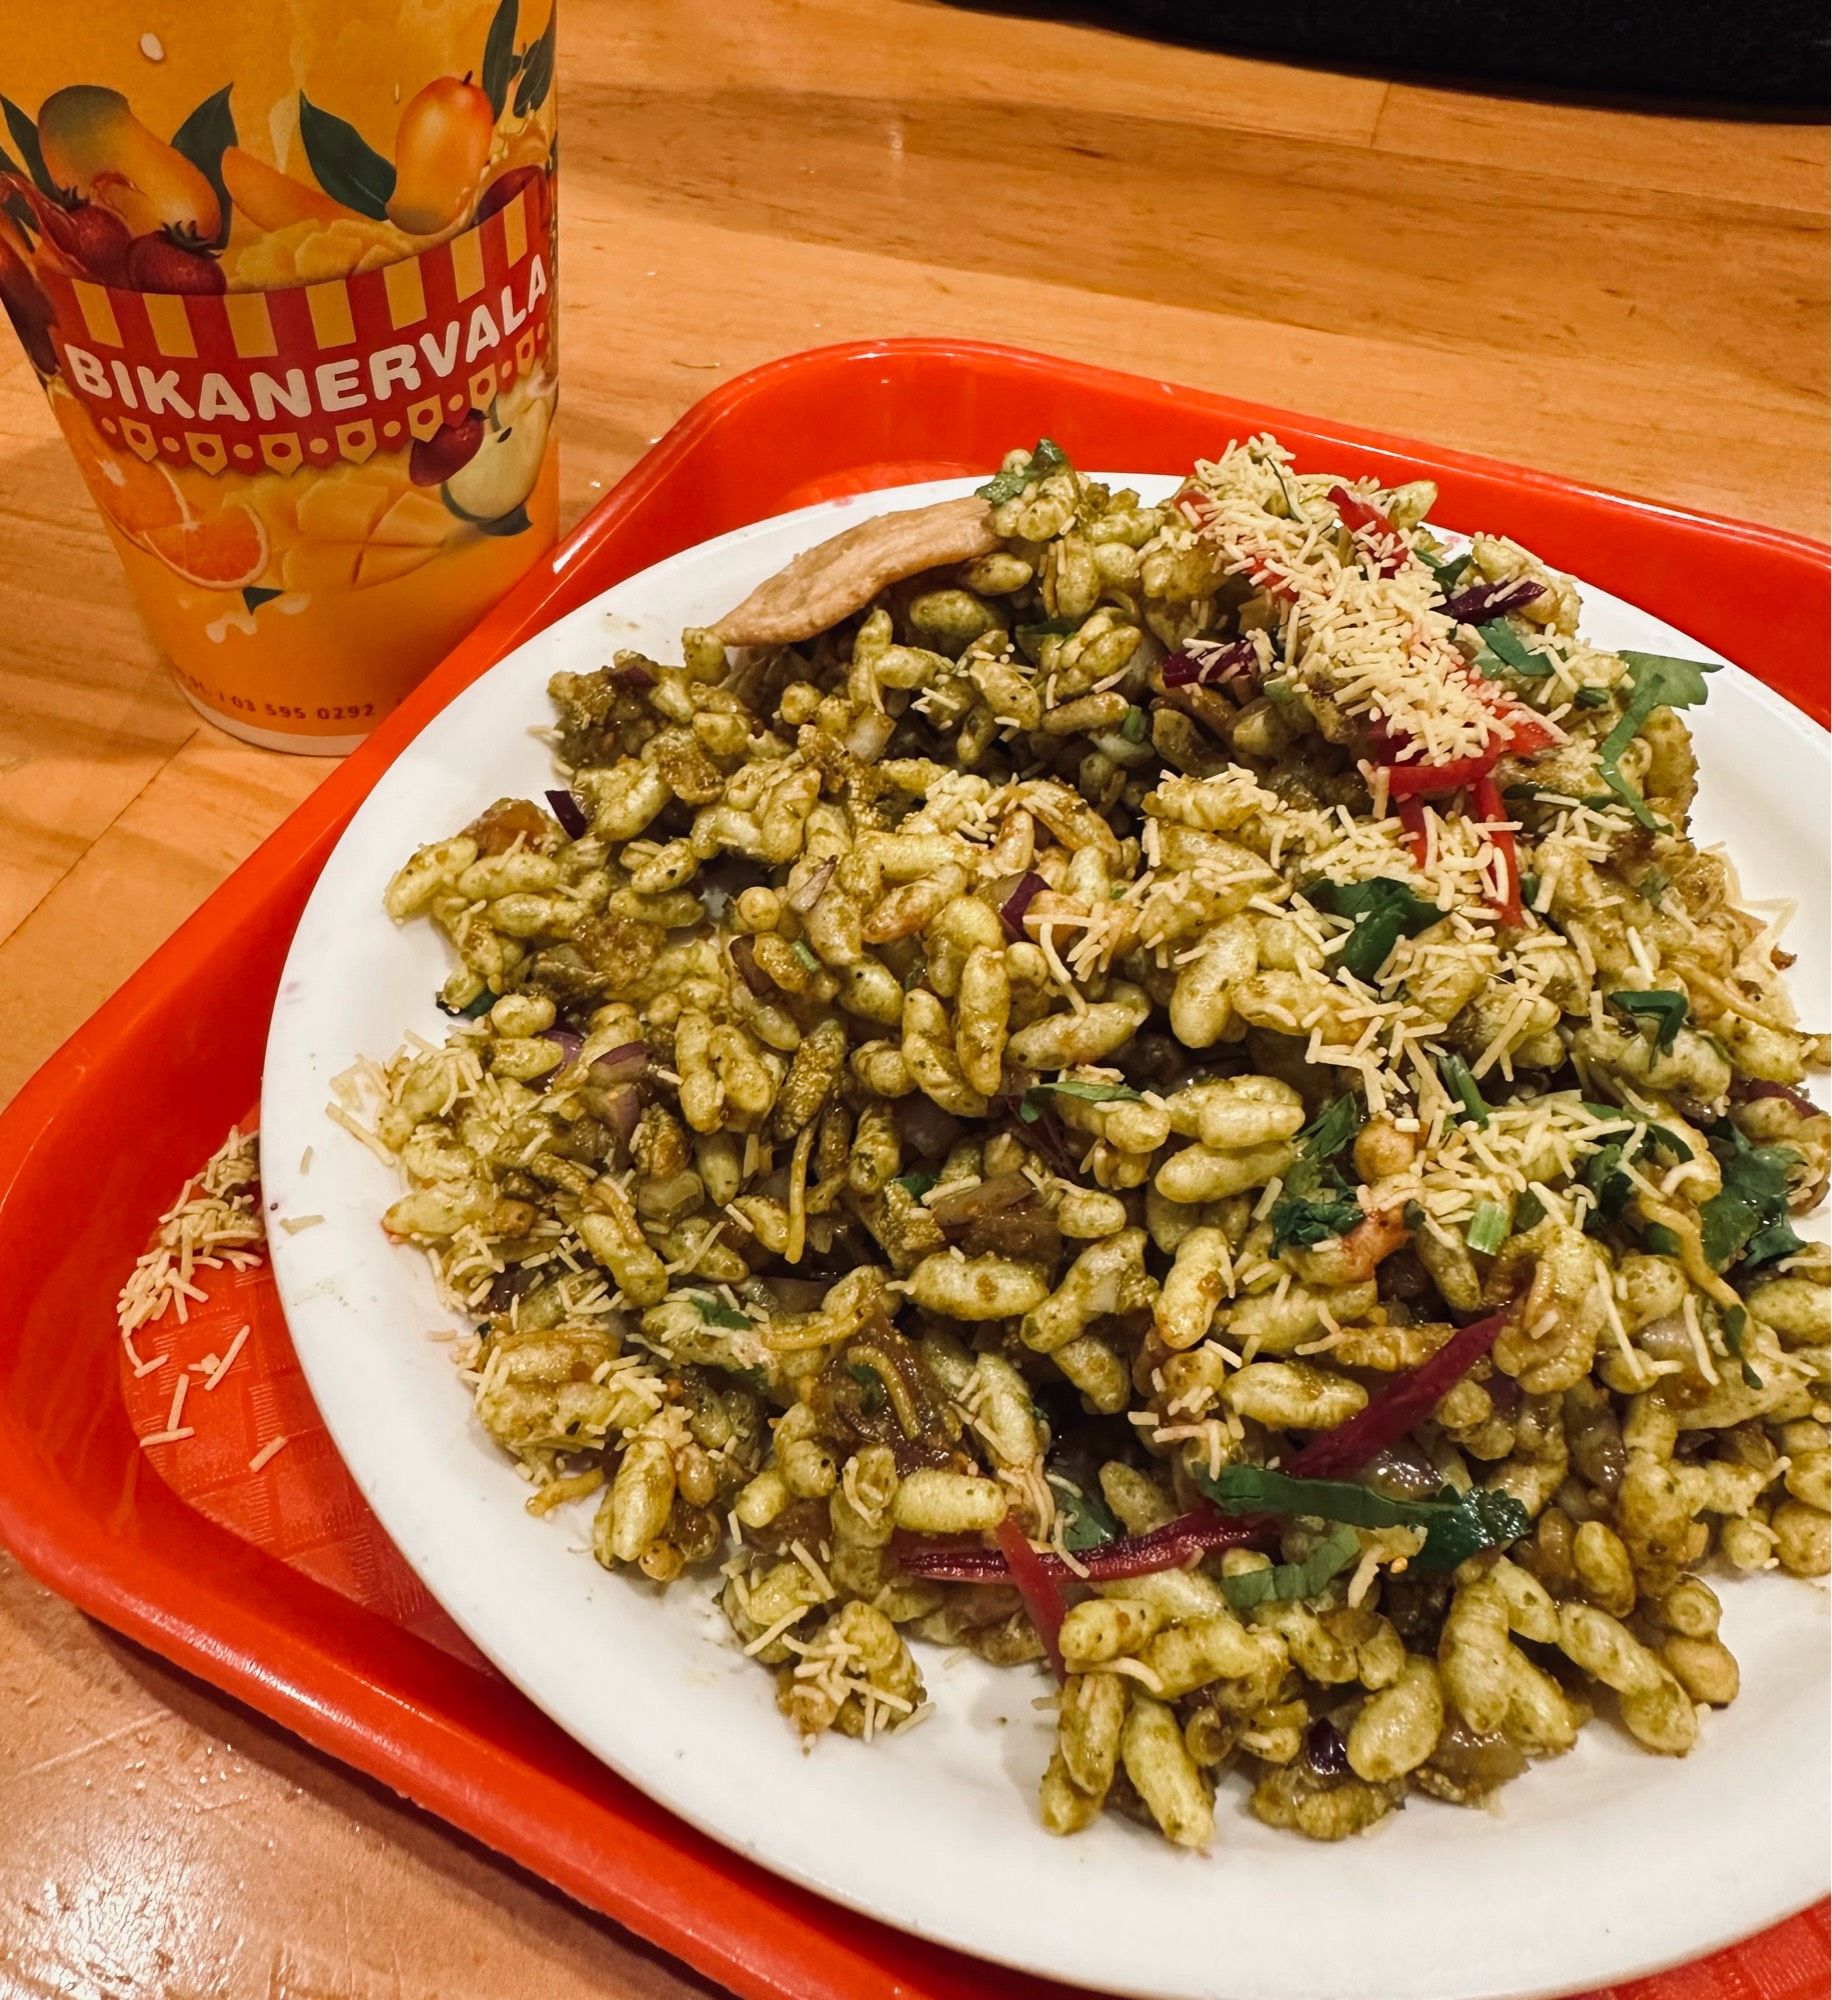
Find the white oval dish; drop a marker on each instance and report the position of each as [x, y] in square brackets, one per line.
[1598, 1866]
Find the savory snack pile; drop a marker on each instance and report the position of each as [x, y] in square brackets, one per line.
[1157, 1088]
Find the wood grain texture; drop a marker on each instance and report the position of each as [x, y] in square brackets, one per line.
[1631, 297]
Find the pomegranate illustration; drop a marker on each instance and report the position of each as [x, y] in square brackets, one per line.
[448, 451]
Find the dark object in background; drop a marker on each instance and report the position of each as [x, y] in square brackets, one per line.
[1745, 52]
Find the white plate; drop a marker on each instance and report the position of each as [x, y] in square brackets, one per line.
[1598, 1866]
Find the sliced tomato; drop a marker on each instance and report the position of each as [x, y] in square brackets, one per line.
[1490, 807]
[1527, 732]
[1438, 781]
[1196, 506]
[1412, 818]
[1362, 517]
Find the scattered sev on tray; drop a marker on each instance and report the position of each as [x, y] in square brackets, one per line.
[214, 1225]
[1169, 1096]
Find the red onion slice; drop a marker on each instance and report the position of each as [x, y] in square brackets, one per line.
[1172, 1546]
[1325, 1751]
[1011, 911]
[1406, 1401]
[1038, 1587]
[573, 817]
[959, 1208]
[623, 1112]
[1211, 666]
[623, 1064]
[1483, 601]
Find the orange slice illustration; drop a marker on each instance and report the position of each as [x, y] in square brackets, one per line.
[140, 499]
[224, 551]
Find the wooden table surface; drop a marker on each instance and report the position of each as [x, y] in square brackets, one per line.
[1631, 297]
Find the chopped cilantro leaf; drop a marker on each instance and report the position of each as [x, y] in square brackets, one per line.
[1752, 1199]
[1048, 457]
[1447, 569]
[1656, 680]
[1591, 696]
[1314, 1204]
[915, 1185]
[1384, 911]
[1663, 1139]
[1032, 1106]
[1292, 1583]
[1507, 646]
[1666, 1009]
[1603, 1173]
[715, 1312]
[1605, 1180]
[1332, 1128]
[1736, 1323]
[1087, 1521]
[1777, 1239]
[1456, 1525]
[472, 1010]
[1030, 638]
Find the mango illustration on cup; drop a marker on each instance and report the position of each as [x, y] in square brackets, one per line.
[440, 151]
[271, 199]
[134, 211]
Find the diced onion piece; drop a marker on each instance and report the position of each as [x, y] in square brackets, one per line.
[744, 957]
[573, 818]
[568, 1041]
[1210, 666]
[1483, 601]
[1012, 909]
[622, 1110]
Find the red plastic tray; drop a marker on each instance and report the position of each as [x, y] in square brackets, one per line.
[279, 1589]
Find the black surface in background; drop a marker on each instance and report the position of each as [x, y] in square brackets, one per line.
[1754, 55]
